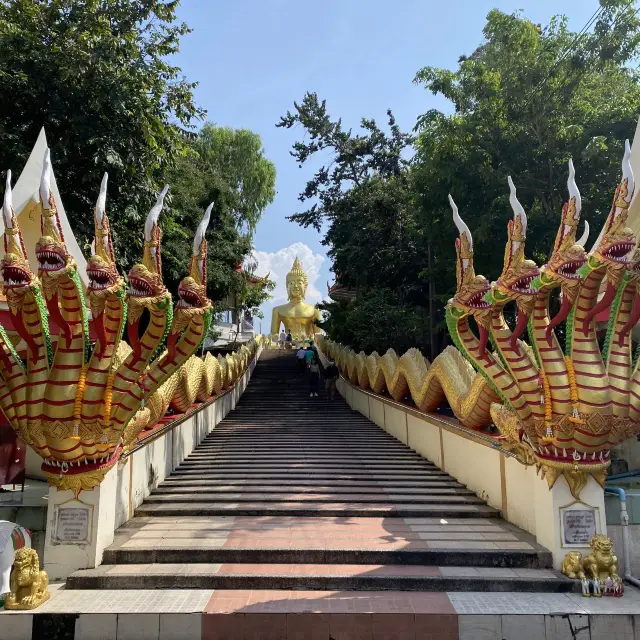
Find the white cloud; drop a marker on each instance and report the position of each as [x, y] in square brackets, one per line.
[279, 263]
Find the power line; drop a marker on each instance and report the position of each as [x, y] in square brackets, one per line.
[567, 51]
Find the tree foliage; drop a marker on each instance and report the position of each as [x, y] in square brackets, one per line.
[226, 167]
[96, 75]
[528, 99]
[525, 101]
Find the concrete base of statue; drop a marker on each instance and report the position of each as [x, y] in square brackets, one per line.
[80, 529]
[564, 524]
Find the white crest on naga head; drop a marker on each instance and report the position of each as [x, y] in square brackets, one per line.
[585, 235]
[7, 208]
[627, 172]
[154, 214]
[101, 202]
[518, 209]
[459, 222]
[574, 192]
[45, 179]
[201, 230]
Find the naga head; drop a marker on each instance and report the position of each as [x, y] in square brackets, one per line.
[612, 250]
[146, 288]
[54, 261]
[518, 273]
[568, 254]
[192, 291]
[471, 289]
[104, 279]
[16, 271]
[18, 278]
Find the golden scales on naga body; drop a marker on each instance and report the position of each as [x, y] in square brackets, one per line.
[560, 408]
[79, 403]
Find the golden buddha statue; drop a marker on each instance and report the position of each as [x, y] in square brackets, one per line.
[297, 316]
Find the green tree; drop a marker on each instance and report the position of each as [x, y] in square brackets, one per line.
[96, 74]
[363, 195]
[526, 100]
[226, 167]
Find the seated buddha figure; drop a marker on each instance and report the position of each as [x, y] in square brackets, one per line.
[297, 316]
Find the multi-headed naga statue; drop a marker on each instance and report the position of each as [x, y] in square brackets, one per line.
[73, 399]
[560, 408]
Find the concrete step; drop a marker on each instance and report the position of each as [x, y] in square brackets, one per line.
[295, 494]
[450, 498]
[447, 557]
[342, 509]
[377, 490]
[333, 577]
[202, 481]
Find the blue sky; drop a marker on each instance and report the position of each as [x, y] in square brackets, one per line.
[253, 58]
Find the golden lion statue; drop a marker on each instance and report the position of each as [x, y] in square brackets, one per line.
[572, 565]
[601, 563]
[29, 585]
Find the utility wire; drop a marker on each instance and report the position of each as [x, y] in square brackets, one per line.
[566, 52]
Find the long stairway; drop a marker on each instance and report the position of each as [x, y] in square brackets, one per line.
[297, 493]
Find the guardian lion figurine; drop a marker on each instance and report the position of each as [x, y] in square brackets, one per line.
[29, 586]
[572, 565]
[601, 563]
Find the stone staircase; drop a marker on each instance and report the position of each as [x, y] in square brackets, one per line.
[297, 493]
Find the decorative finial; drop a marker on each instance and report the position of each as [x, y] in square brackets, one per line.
[518, 209]
[462, 227]
[574, 192]
[7, 208]
[585, 235]
[45, 179]
[198, 270]
[101, 203]
[154, 214]
[201, 230]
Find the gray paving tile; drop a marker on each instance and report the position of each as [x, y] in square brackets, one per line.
[484, 627]
[567, 627]
[528, 627]
[96, 626]
[459, 572]
[180, 626]
[619, 627]
[129, 601]
[474, 602]
[17, 626]
[138, 626]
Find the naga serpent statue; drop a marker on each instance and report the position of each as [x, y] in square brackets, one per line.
[562, 409]
[78, 402]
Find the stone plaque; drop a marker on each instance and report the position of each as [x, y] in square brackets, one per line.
[578, 525]
[72, 524]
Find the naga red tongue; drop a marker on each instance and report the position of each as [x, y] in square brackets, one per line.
[631, 322]
[605, 302]
[484, 338]
[97, 325]
[561, 316]
[32, 347]
[56, 315]
[134, 339]
[521, 325]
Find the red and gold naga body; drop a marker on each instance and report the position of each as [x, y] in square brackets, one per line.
[75, 400]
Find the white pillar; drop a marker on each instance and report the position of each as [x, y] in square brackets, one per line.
[552, 505]
[79, 529]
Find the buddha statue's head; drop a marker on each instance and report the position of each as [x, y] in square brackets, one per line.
[297, 282]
